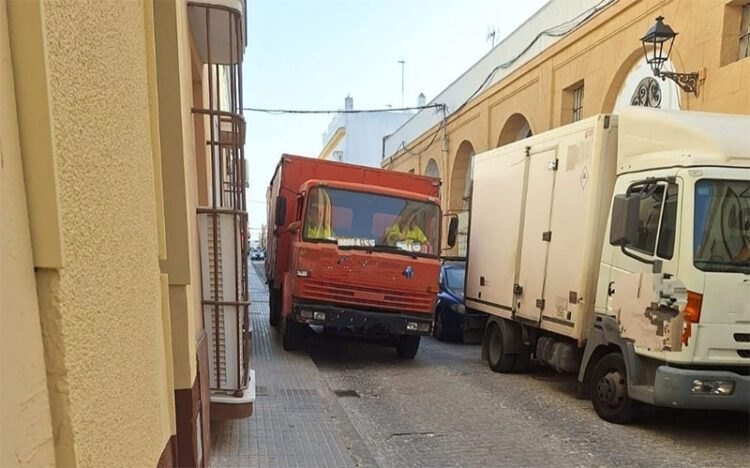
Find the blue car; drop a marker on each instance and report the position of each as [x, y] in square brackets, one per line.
[452, 322]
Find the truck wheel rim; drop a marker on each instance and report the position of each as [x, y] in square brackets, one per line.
[611, 389]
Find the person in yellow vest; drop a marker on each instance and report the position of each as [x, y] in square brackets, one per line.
[405, 229]
[317, 227]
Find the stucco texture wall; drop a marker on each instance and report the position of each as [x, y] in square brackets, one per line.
[102, 311]
[25, 423]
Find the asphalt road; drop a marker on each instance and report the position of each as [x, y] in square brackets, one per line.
[447, 408]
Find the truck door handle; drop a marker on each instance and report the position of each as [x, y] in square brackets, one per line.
[610, 289]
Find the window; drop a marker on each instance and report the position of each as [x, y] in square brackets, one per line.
[721, 233]
[745, 33]
[657, 219]
[735, 42]
[572, 103]
[454, 280]
[665, 247]
[577, 104]
[371, 221]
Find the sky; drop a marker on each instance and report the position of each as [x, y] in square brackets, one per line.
[304, 54]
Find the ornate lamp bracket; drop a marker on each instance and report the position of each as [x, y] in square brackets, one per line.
[688, 82]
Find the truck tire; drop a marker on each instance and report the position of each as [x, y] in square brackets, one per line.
[274, 306]
[497, 345]
[292, 334]
[407, 346]
[609, 390]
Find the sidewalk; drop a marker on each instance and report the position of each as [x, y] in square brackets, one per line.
[296, 420]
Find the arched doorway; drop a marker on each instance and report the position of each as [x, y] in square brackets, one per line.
[460, 191]
[516, 128]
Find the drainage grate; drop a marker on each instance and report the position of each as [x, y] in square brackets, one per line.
[261, 390]
[347, 393]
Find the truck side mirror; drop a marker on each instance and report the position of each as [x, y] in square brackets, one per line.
[624, 227]
[452, 231]
[280, 211]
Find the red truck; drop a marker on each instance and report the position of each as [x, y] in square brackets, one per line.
[355, 250]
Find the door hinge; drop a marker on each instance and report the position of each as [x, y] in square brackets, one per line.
[547, 236]
[540, 304]
[552, 166]
[517, 289]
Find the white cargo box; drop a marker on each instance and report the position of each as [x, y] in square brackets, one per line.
[538, 215]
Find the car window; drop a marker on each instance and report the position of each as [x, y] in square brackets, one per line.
[454, 279]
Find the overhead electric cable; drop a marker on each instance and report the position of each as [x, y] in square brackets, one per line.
[339, 111]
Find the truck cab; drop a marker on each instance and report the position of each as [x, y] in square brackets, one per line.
[675, 276]
[362, 260]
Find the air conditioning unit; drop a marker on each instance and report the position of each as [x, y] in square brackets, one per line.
[225, 310]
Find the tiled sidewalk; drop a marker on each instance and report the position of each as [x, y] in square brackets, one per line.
[296, 420]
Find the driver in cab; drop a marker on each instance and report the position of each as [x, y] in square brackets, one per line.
[317, 226]
[405, 229]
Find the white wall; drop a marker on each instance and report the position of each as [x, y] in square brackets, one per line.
[364, 136]
[363, 141]
[553, 14]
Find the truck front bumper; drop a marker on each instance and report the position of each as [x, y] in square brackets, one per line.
[697, 389]
[362, 322]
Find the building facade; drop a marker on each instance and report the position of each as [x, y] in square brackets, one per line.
[571, 60]
[116, 141]
[357, 138]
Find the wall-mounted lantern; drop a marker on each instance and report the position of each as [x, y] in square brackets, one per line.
[659, 39]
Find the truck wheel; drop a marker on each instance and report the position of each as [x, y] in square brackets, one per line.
[497, 357]
[274, 307]
[407, 346]
[439, 330]
[292, 334]
[609, 390]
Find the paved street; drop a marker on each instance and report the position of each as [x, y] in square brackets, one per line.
[445, 408]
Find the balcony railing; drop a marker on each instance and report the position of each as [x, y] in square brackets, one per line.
[220, 34]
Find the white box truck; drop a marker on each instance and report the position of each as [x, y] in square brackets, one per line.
[618, 247]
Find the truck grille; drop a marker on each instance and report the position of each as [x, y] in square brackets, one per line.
[742, 337]
[368, 296]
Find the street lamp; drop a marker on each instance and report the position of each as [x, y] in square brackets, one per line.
[659, 39]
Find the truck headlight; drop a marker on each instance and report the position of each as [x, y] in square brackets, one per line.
[713, 387]
[303, 273]
[319, 315]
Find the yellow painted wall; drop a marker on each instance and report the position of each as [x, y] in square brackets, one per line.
[102, 309]
[182, 265]
[600, 53]
[25, 423]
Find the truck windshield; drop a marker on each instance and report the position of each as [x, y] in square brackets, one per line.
[722, 225]
[370, 221]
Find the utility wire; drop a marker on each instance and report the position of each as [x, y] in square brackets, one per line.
[340, 111]
[555, 31]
